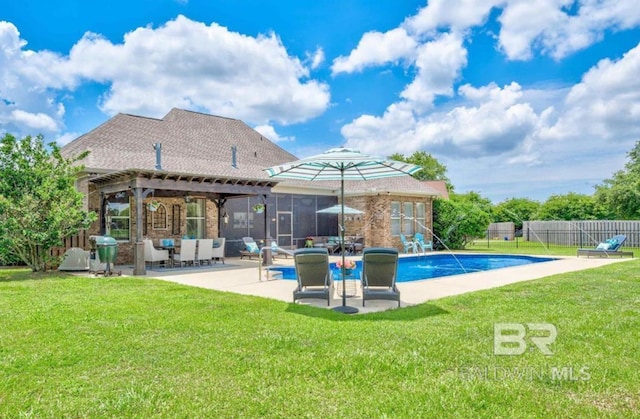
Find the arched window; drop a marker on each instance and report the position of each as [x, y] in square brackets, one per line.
[160, 218]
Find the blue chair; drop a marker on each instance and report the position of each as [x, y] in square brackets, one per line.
[407, 244]
[418, 239]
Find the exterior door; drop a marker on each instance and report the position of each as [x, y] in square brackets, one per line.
[284, 227]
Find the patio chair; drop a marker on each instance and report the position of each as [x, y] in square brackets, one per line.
[607, 248]
[217, 251]
[418, 239]
[315, 279]
[277, 250]
[251, 248]
[407, 244]
[151, 254]
[205, 251]
[379, 272]
[187, 253]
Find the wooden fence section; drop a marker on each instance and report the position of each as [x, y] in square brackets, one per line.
[81, 240]
[585, 233]
[499, 231]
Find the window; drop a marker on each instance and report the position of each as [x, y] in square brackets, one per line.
[160, 218]
[195, 218]
[407, 224]
[421, 219]
[118, 216]
[395, 218]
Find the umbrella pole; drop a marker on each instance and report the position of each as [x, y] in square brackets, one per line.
[344, 308]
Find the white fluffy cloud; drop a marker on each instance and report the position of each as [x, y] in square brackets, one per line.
[270, 132]
[605, 104]
[189, 64]
[376, 48]
[180, 64]
[495, 120]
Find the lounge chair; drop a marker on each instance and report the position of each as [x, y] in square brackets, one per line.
[418, 239]
[277, 250]
[187, 252]
[218, 249]
[315, 279]
[407, 244]
[607, 248]
[251, 248]
[151, 254]
[379, 271]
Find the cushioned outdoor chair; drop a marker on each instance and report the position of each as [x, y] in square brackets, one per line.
[315, 279]
[607, 248]
[218, 249]
[151, 254]
[418, 239]
[251, 248]
[187, 253]
[407, 244]
[379, 272]
[205, 251]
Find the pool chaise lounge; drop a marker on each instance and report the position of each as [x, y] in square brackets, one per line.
[379, 274]
[607, 248]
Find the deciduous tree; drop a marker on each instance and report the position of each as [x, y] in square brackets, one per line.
[39, 204]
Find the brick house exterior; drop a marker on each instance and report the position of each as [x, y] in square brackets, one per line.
[218, 162]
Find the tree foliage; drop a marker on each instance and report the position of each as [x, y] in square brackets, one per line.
[39, 204]
[515, 210]
[572, 206]
[458, 221]
[432, 169]
[621, 193]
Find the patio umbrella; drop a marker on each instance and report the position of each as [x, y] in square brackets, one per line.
[339, 209]
[342, 164]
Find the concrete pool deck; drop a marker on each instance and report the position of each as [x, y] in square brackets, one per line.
[241, 277]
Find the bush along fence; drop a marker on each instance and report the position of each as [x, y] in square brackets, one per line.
[566, 233]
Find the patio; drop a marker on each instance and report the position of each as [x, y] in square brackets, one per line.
[241, 277]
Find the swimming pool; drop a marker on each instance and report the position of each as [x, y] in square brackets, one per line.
[415, 268]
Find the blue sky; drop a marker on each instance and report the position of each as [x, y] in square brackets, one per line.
[517, 99]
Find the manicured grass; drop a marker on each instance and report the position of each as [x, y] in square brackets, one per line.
[135, 347]
[530, 248]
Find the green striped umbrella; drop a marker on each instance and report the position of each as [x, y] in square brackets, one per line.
[342, 164]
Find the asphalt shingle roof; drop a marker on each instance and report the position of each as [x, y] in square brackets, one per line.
[201, 144]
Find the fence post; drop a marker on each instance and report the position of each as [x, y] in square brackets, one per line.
[487, 239]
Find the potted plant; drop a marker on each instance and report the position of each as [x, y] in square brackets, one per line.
[308, 241]
[258, 208]
[349, 266]
[153, 205]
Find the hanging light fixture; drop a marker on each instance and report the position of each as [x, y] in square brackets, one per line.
[225, 218]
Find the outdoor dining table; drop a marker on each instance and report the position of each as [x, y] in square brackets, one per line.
[172, 251]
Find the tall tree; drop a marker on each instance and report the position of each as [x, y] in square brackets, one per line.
[39, 204]
[571, 206]
[432, 169]
[515, 210]
[621, 193]
[457, 222]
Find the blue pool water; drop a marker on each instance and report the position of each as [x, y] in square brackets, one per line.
[414, 268]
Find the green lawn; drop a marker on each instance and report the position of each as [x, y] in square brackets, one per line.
[136, 347]
[529, 247]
